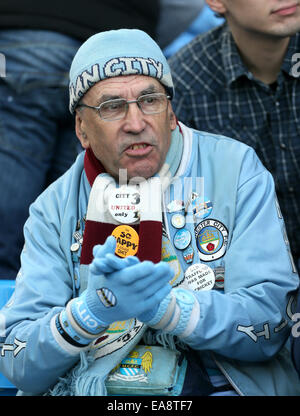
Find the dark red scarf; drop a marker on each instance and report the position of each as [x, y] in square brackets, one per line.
[150, 232]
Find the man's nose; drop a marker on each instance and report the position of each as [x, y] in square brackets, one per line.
[134, 119]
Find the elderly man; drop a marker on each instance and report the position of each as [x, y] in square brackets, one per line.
[158, 264]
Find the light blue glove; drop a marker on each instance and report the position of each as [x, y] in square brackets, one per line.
[178, 313]
[83, 330]
[111, 263]
[129, 289]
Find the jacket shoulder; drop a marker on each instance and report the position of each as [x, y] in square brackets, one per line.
[231, 154]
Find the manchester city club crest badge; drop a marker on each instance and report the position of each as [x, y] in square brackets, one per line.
[134, 367]
[212, 239]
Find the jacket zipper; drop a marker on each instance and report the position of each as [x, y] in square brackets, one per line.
[227, 376]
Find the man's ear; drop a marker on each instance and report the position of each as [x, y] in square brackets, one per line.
[173, 120]
[217, 6]
[79, 129]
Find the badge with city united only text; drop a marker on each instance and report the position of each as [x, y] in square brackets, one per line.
[124, 204]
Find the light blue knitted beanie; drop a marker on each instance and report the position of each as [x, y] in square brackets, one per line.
[115, 53]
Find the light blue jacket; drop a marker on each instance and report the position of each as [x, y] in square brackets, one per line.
[244, 326]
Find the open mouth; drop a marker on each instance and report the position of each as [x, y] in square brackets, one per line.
[138, 146]
[138, 149]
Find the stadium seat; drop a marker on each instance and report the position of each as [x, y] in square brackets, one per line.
[6, 290]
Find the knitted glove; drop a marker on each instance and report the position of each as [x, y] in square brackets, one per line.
[177, 314]
[118, 289]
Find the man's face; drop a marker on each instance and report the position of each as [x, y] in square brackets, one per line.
[272, 18]
[138, 142]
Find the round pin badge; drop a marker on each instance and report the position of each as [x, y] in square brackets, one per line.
[200, 277]
[75, 247]
[127, 240]
[212, 239]
[201, 207]
[176, 205]
[178, 220]
[182, 239]
[124, 203]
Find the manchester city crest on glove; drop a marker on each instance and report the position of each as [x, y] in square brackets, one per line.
[107, 297]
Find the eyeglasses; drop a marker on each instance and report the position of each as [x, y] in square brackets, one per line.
[117, 109]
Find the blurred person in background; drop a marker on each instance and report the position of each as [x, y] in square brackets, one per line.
[37, 140]
[242, 80]
[182, 20]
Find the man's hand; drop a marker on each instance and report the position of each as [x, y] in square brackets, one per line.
[119, 289]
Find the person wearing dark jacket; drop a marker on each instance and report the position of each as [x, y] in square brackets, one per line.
[242, 80]
[38, 41]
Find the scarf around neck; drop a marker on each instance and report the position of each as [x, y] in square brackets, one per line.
[100, 223]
